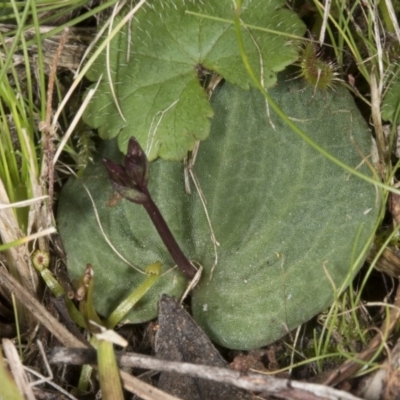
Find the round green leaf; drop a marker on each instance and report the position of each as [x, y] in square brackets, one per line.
[290, 223]
[155, 60]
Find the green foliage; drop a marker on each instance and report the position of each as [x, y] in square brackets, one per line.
[390, 109]
[290, 223]
[153, 66]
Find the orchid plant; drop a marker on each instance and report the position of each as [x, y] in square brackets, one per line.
[130, 181]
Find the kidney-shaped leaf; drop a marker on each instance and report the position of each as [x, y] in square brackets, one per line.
[289, 222]
[155, 76]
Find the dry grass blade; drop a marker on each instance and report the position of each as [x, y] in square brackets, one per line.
[388, 262]
[377, 120]
[70, 58]
[144, 390]
[384, 383]
[49, 135]
[9, 389]
[17, 257]
[17, 369]
[37, 310]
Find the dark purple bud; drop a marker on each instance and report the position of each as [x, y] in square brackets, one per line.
[117, 173]
[132, 194]
[123, 183]
[136, 164]
[130, 181]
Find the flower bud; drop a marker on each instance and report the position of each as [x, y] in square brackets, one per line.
[136, 164]
[130, 180]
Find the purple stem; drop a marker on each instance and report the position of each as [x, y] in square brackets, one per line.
[166, 235]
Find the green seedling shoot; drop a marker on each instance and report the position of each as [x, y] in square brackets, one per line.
[110, 381]
[154, 271]
[86, 302]
[87, 312]
[41, 261]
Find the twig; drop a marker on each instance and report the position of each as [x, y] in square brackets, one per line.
[280, 388]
